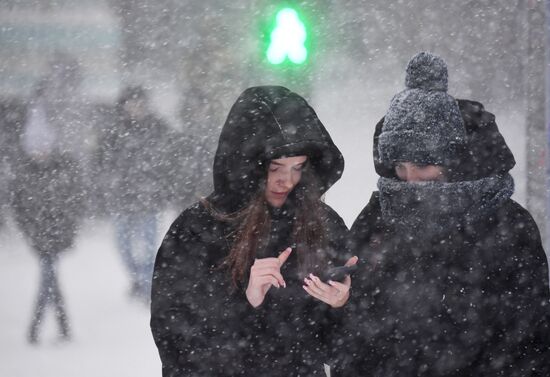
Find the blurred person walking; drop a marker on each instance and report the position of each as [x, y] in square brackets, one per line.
[47, 203]
[136, 164]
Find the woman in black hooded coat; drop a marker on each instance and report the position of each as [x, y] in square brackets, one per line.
[207, 315]
[456, 279]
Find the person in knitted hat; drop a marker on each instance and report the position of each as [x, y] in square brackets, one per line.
[454, 279]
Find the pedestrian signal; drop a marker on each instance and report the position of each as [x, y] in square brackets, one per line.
[287, 39]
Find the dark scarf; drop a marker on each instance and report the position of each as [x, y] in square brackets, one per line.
[436, 208]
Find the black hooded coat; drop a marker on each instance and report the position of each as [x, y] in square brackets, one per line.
[201, 324]
[468, 300]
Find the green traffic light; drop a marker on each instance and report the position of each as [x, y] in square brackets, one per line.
[287, 38]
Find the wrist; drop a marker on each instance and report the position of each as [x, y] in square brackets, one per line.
[341, 302]
[253, 299]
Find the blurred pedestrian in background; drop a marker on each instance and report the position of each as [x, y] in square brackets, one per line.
[135, 163]
[47, 200]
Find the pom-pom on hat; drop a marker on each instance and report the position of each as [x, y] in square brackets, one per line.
[423, 123]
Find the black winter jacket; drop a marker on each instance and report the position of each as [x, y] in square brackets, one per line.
[473, 301]
[201, 324]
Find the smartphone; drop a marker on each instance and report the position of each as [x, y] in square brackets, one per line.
[339, 273]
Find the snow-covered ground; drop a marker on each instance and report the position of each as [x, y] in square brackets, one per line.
[111, 335]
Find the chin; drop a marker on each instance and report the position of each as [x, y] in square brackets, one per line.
[277, 203]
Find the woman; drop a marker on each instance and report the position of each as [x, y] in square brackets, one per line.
[236, 288]
[456, 280]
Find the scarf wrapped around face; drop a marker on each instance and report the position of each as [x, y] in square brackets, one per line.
[436, 208]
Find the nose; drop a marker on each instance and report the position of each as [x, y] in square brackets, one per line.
[285, 180]
[411, 173]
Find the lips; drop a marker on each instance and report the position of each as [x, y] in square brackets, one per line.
[279, 194]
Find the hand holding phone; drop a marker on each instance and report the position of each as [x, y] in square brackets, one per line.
[333, 286]
[339, 273]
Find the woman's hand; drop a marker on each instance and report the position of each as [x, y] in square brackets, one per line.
[334, 293]
[264, 273]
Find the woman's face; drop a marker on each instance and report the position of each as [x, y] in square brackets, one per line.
[283, 175]
[413, 172]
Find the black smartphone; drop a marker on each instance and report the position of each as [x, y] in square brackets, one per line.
[339, 273]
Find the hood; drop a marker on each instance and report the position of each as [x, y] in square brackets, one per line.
[265, 123]
[485, 153]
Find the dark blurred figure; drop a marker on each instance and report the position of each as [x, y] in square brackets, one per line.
[47, 201]
[135, 162]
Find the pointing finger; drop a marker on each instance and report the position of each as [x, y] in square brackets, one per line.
[284, 255]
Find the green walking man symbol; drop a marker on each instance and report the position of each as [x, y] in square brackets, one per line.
[287, 38]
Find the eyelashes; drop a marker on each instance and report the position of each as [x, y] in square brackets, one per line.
[294, 168]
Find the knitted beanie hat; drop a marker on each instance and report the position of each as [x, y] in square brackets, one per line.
[423, 123]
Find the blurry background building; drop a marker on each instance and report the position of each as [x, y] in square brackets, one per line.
[32, 31]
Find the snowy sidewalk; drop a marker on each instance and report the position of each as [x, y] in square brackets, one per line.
[111, 335]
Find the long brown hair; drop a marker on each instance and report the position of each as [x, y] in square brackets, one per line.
[253, 226]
